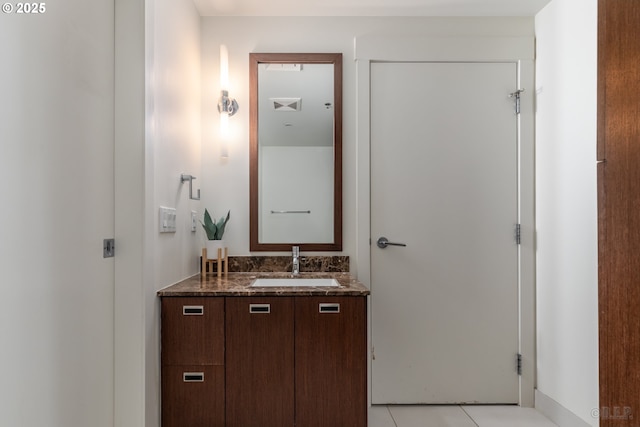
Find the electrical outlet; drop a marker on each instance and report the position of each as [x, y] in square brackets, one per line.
[194, 220]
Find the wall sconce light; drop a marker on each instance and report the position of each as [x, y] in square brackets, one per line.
[227, 107]
[225, 104]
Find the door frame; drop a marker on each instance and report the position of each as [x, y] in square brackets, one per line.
[518, 50]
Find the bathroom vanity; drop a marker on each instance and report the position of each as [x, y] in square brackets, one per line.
[282, 354]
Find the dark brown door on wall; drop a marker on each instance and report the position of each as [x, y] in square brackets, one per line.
[619, 211]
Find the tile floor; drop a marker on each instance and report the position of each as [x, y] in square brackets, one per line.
[456, 416]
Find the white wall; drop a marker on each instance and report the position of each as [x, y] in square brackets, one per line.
[567, 287]
[173, 118]
[129, 126]
[157, 136]
[226, 181]
[56, 189]
[173, 131]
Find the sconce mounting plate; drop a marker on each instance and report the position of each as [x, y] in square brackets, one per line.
[227, 105]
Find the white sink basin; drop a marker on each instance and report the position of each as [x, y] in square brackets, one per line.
[294, 281]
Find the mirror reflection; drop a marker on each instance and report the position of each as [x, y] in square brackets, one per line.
[296, 151]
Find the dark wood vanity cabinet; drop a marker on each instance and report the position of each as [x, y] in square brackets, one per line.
[192, 358]
[288, 361]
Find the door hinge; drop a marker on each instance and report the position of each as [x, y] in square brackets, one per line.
[108, 248]
[518, 234]
[516, 96]
[519, 364]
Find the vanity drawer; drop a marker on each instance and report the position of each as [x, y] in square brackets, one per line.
[193, 396]
[192, 331]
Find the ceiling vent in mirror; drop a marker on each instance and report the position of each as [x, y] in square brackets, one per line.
[286, 104]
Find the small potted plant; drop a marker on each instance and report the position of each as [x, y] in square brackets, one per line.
[214, 231]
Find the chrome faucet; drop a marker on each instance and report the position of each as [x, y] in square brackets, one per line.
[295, 269]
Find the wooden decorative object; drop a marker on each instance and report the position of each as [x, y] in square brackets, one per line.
[222, 258]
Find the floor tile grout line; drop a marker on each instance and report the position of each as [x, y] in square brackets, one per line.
[467, 414]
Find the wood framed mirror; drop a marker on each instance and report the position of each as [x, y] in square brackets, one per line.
[295, 161]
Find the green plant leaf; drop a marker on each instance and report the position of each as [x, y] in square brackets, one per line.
[214, 231]
[221, 225]
[209, 226]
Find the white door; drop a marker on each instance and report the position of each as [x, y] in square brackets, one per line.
[57, 190]
[444, 162]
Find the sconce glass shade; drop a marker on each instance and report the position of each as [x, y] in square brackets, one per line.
[224, 136]
[227, 105]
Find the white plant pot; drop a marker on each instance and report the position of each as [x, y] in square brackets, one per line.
[212, 248]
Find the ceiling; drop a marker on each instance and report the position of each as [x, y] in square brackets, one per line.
[370, 7]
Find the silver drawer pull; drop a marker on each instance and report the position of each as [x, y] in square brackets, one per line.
[193, 377]
[259, 308]
[329, 308]
[192, 310]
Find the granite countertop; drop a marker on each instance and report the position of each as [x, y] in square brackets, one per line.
[239, 284]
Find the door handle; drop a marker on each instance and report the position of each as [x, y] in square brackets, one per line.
[383, 242]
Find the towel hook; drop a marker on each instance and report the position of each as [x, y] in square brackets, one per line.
[184, 177]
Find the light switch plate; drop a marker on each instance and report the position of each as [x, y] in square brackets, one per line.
[167, 220]
[194, 220]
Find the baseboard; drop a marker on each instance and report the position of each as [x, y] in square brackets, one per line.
[556, 412]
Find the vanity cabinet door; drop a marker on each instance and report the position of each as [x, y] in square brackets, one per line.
[331, 361]
[192, 331]
[193, 396]
[260, 369]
